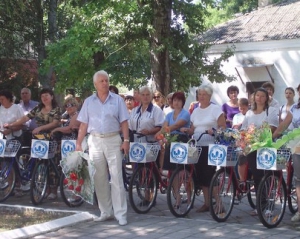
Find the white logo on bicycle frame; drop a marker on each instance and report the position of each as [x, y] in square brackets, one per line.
[266, 158]
[137, 152]
[216, 155]
[179, 153]
[67, 146]
[39, 148]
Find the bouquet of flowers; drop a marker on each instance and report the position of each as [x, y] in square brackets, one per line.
[165, 136]
[79, 172]
[254, 138]
[226, 136]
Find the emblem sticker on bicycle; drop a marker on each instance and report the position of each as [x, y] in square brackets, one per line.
[137, 152]
[2, 147]
[39, 149]
[266, 158]
[67, 146]
[217, 155]
[179, 153]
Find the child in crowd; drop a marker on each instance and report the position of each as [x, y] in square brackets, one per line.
[236, 124]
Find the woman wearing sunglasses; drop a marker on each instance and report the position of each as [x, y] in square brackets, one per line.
[71, 124]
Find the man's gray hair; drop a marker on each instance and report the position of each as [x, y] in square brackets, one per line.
[100, 73]
[208, 88]
[146, 88]
[27, 89]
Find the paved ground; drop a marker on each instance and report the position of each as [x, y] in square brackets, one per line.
[158, 223]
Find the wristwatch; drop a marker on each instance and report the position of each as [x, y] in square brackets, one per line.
[126, 140]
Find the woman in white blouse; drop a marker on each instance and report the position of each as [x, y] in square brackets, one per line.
[147, 118]
[260, 113]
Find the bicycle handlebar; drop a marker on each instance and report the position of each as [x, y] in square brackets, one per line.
[139, 135]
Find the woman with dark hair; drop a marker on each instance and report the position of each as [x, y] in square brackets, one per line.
[113, 89]
[231, 107]
[47, 115]
[175, 120]
[260, 113]
[9, 112]
[284, 109]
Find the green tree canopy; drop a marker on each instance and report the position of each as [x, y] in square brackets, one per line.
[123, 37]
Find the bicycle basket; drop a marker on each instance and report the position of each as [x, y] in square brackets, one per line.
[283, 155]
[12, 148]
[143, 152]
[194, 153]
[232, 156]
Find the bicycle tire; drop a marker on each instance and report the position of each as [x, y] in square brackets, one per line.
[7, 178]
[143, 189]
[181, 192]
[67, 195]
[292, 196]
[222, 192]
[39, 182]
[271, 200]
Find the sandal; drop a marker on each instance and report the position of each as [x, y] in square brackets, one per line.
[204, 208]
[254, 213]
[52, 196]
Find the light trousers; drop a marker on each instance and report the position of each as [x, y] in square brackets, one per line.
[106, 155]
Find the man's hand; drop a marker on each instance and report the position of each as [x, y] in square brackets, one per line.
[125, 147]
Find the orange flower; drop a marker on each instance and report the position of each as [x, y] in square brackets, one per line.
[160, 137]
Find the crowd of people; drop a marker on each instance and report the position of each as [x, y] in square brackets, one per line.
[106, 116]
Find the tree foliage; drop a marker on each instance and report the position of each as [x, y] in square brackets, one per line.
[122, 37]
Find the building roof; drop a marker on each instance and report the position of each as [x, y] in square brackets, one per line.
[274, 22]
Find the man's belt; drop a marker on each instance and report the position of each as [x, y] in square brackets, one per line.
[105, 135]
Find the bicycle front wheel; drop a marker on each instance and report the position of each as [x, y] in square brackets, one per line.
[7, 178]
[143, 189]
[271, 200]
[221, 195]
[39, 182]
[67, 195]
[181, 192]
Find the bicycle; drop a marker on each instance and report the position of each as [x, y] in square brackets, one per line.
[40, 176]
[182, 190]
[273, 192]
[16, 163]
[225, 188]
[146, 178]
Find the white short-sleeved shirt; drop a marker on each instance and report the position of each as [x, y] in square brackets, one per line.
[152, 117]
[238, 119]
[10, 115]
[257, 119]
[205, 119]
[283, 114]
[296, 118]
[275, 104]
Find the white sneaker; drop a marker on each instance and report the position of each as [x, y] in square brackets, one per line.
[122, 222]
[103, 218]
[296, 217]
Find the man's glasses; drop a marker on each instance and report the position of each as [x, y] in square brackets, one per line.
[156, 97]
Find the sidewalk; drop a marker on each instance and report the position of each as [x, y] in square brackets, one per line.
[158, 223]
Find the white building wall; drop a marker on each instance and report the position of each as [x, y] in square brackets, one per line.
[281, 57]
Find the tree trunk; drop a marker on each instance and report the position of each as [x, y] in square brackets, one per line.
[160, 61]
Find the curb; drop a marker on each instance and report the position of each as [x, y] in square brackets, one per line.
[46, 227]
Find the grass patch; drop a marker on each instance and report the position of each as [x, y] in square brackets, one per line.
[13, 218]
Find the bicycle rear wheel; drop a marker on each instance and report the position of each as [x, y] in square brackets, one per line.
[221, 195]
[291, 194]
[143, 189]
[181, 192]
[271, 200]
[7, 178]
[67, 195]
[39, 182]
[251, 195]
